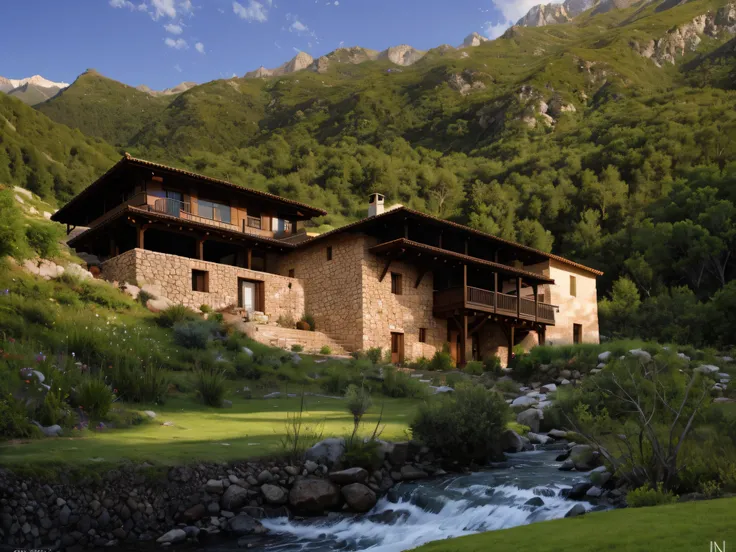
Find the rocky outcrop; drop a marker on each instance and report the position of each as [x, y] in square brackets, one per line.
[178, 89]
[298, 63]
[467, 81]
[473, 40]
[353, 56]
[555, 14]
[686, 38]
[402, 55]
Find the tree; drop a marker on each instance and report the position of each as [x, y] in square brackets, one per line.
[618, 314]
[533, 234]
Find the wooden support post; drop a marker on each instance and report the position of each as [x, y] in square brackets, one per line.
[518, 297]
[140, 242]
[465, 286]
[200, 249]
[495, 292]
[466, 344]
[535, 287]
[440, 240]
[385, 270]
[249, 259]
[406, 229]
[511, 344]
[466, 247]
[542, 333]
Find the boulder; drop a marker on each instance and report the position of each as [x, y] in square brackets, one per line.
[511, 441]
[530, 418]
[536, 501]
[578, 490]
[314, 496]
[583, 457]
[214, 486]
[567, 465]
[565, 382]
[195, 513]
[243, 524]
[548, 388]
[274, 494]
[399, 453]
[327, 452]
[131, 290]
[359, 497]
[707, 369]
[524, 402]
[150, 413]
[79, 272]
[604, 356]
[235, 497]
[565, 374]
[577, 510]
[351, 475]
[538, 439]
[159, 304]
[247, 351]
[683, 356]
[410, 473]
[594, 492]
[175, 535]
[50, 431]
[442, 389]
[641, 354]
[557, 434]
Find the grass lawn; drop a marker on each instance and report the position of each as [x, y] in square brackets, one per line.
[251, 428]
[682, 527]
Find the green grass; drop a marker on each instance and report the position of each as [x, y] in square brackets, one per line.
[251, 428]
[674, 528]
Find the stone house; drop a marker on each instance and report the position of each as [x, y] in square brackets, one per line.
[397, 279]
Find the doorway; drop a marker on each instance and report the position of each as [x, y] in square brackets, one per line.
[397, 348]
[250, 295]
[577, 333]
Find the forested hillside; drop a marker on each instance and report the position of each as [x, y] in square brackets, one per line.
[611, 140]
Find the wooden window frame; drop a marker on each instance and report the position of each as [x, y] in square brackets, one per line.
[205, 280]
[292, 273]
[422, 335]
[329, 252]
[573, 286]
[397, 283]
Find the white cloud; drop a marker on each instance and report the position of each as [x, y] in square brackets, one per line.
[163, 8]
[337, 2]
[177, 67]
[297, 50]
[178, 44]
[125, 4]
[494, 30]
[298, 26]
[513, 10]
[173, 29]
[254, 11]
[199, 47]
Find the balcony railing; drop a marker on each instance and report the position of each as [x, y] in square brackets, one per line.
[183, 210]
[495, 302]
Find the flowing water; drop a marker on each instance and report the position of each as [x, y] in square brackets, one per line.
[415, 513]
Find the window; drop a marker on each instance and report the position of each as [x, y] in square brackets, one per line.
[577, 333]
[395, 283]
[329, 252]
[573, 286]
[254, 222]
[422, 335]
[291, 273]
[200, 280]
[213, 210]
[287, 227]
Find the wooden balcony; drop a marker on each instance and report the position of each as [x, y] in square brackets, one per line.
[483, 300]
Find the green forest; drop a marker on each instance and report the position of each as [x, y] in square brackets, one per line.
[563, 138]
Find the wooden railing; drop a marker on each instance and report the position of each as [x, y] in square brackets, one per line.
[489, 301]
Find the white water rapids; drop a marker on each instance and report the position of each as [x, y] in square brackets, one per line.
[416, 513]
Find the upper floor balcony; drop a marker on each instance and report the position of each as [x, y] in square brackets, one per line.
[484, 300]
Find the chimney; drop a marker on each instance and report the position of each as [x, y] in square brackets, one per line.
[375, 205]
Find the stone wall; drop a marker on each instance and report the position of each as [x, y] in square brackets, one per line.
[173, 275]
[581, 309]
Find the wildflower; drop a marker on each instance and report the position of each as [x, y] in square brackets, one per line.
[11, 340]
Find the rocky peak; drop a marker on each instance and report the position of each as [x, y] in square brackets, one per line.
[553, 14]
[474, 39]
[402, 55]
[301, 61]
[178, 89]
[352, 55]
[6, 85]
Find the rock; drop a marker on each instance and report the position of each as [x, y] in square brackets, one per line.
[538, 439]
[295, 358]
[264, 477]
[213, 508]
[399, 453]
[583, 457]
[565, 374]
[314, 496]
[50, 431]
[410, 473]
[291, 470]
[565, 382]
[548, 388]
[158, 304]
[274, 494]
[214, 486]
[175, 535]
[536, 501]
[577, 510]
[195, 513]
[641, 354]
[131, 290]
[243, 524]
[567, 465]
[150, 413]
[274, 395]
[247, 351]
[707, 369]
[511, 441]
[235, 497]
[557, 434]
[327, 452]
[594, 492]
[604, 356]
[442, 389]
[310, 466]
[359, 497]
[79, 272]
[683, 356]
[227, 404]
[530, 418]
[524, 402]
[351, 475]
[544, 404]
[191, 531]
[578, 490]
[727, 359]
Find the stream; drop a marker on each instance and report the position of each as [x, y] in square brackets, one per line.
[452, 506]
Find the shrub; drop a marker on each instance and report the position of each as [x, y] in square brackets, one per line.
[441, 362]
[474, 368]
[103, 295]
[400, 384]
[193, 334]
[492, 364]
[309, 319]
[298, 435]
[246, 367]
[374, 354]
[217, 318]
[421, 363]
[95, 397]
[337, 377]
[361, 453]
[286, 321]
[177, 313]
[647, 496]
[144, 297]
[43, 238]
[454, 379]
[465, 427]
[358, 402]
[12, 234]
[14, 423]
[205, 309]
[325, 350]
[297, 348]
[54, 409]
[211, 386]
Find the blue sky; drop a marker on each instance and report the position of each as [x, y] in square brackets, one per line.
[163, 42]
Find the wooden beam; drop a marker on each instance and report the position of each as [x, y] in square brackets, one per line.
[479, 325]
[466, 344]
[518, 297]
[385, 270]
[542, 333]
[465, 285]
[249, 258]
[140, 242]
[495, 292]
[535, 287]
[420, 277]
[439, 244]
[511, 344]
[200, 249]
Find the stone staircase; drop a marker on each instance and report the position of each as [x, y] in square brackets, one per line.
[284, 338]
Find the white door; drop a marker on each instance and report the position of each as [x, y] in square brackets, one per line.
[249, 296]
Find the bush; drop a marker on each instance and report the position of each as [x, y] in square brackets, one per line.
[286, 321]
[297, 348]
[177, 313]
[54, 409]
[358, 402]
[104, 295]
[492, 364]
[14, 423]
[474, 368]
[647, 496]
[193, 334]
[211, 386]
[422, 363]
[144, 297]
[43, 238]
[205, 309]
[246, 367]
[325, 350]
[441, 362]
[12, 234]
[400, 384]
[309, 319]
[337, 377]
[361, 454]
[374, 354]
[465, 427]
[95, 397]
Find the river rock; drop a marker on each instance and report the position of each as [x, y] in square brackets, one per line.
[524, 402]
[359, 497]
[567, 465]
[538, 439]
[243, 524]
[235, 497]
[707, 369]
[410, 473]
[511, 441]
[604, 356]
[641, 354]
[175, 535]
[557, 434]
[577, 510]
[314, 496]
[565, 374]
[327, 452]
[399, 453]
[214, 486]
[536, 501]
[594, 492]
[583, 457]
[195, 513]
[530, 418]
[578, 490]
[274, 494]
[548, 388]
[351, 475]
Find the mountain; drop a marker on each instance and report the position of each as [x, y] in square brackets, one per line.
[32, 90]
[178, 89]
[104, 108]
[6, 85]
[556, 13]
[353, 56]
[402, 55]
[299, 62]
[473, 39]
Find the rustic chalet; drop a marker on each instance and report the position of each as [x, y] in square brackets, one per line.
[397, 279]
